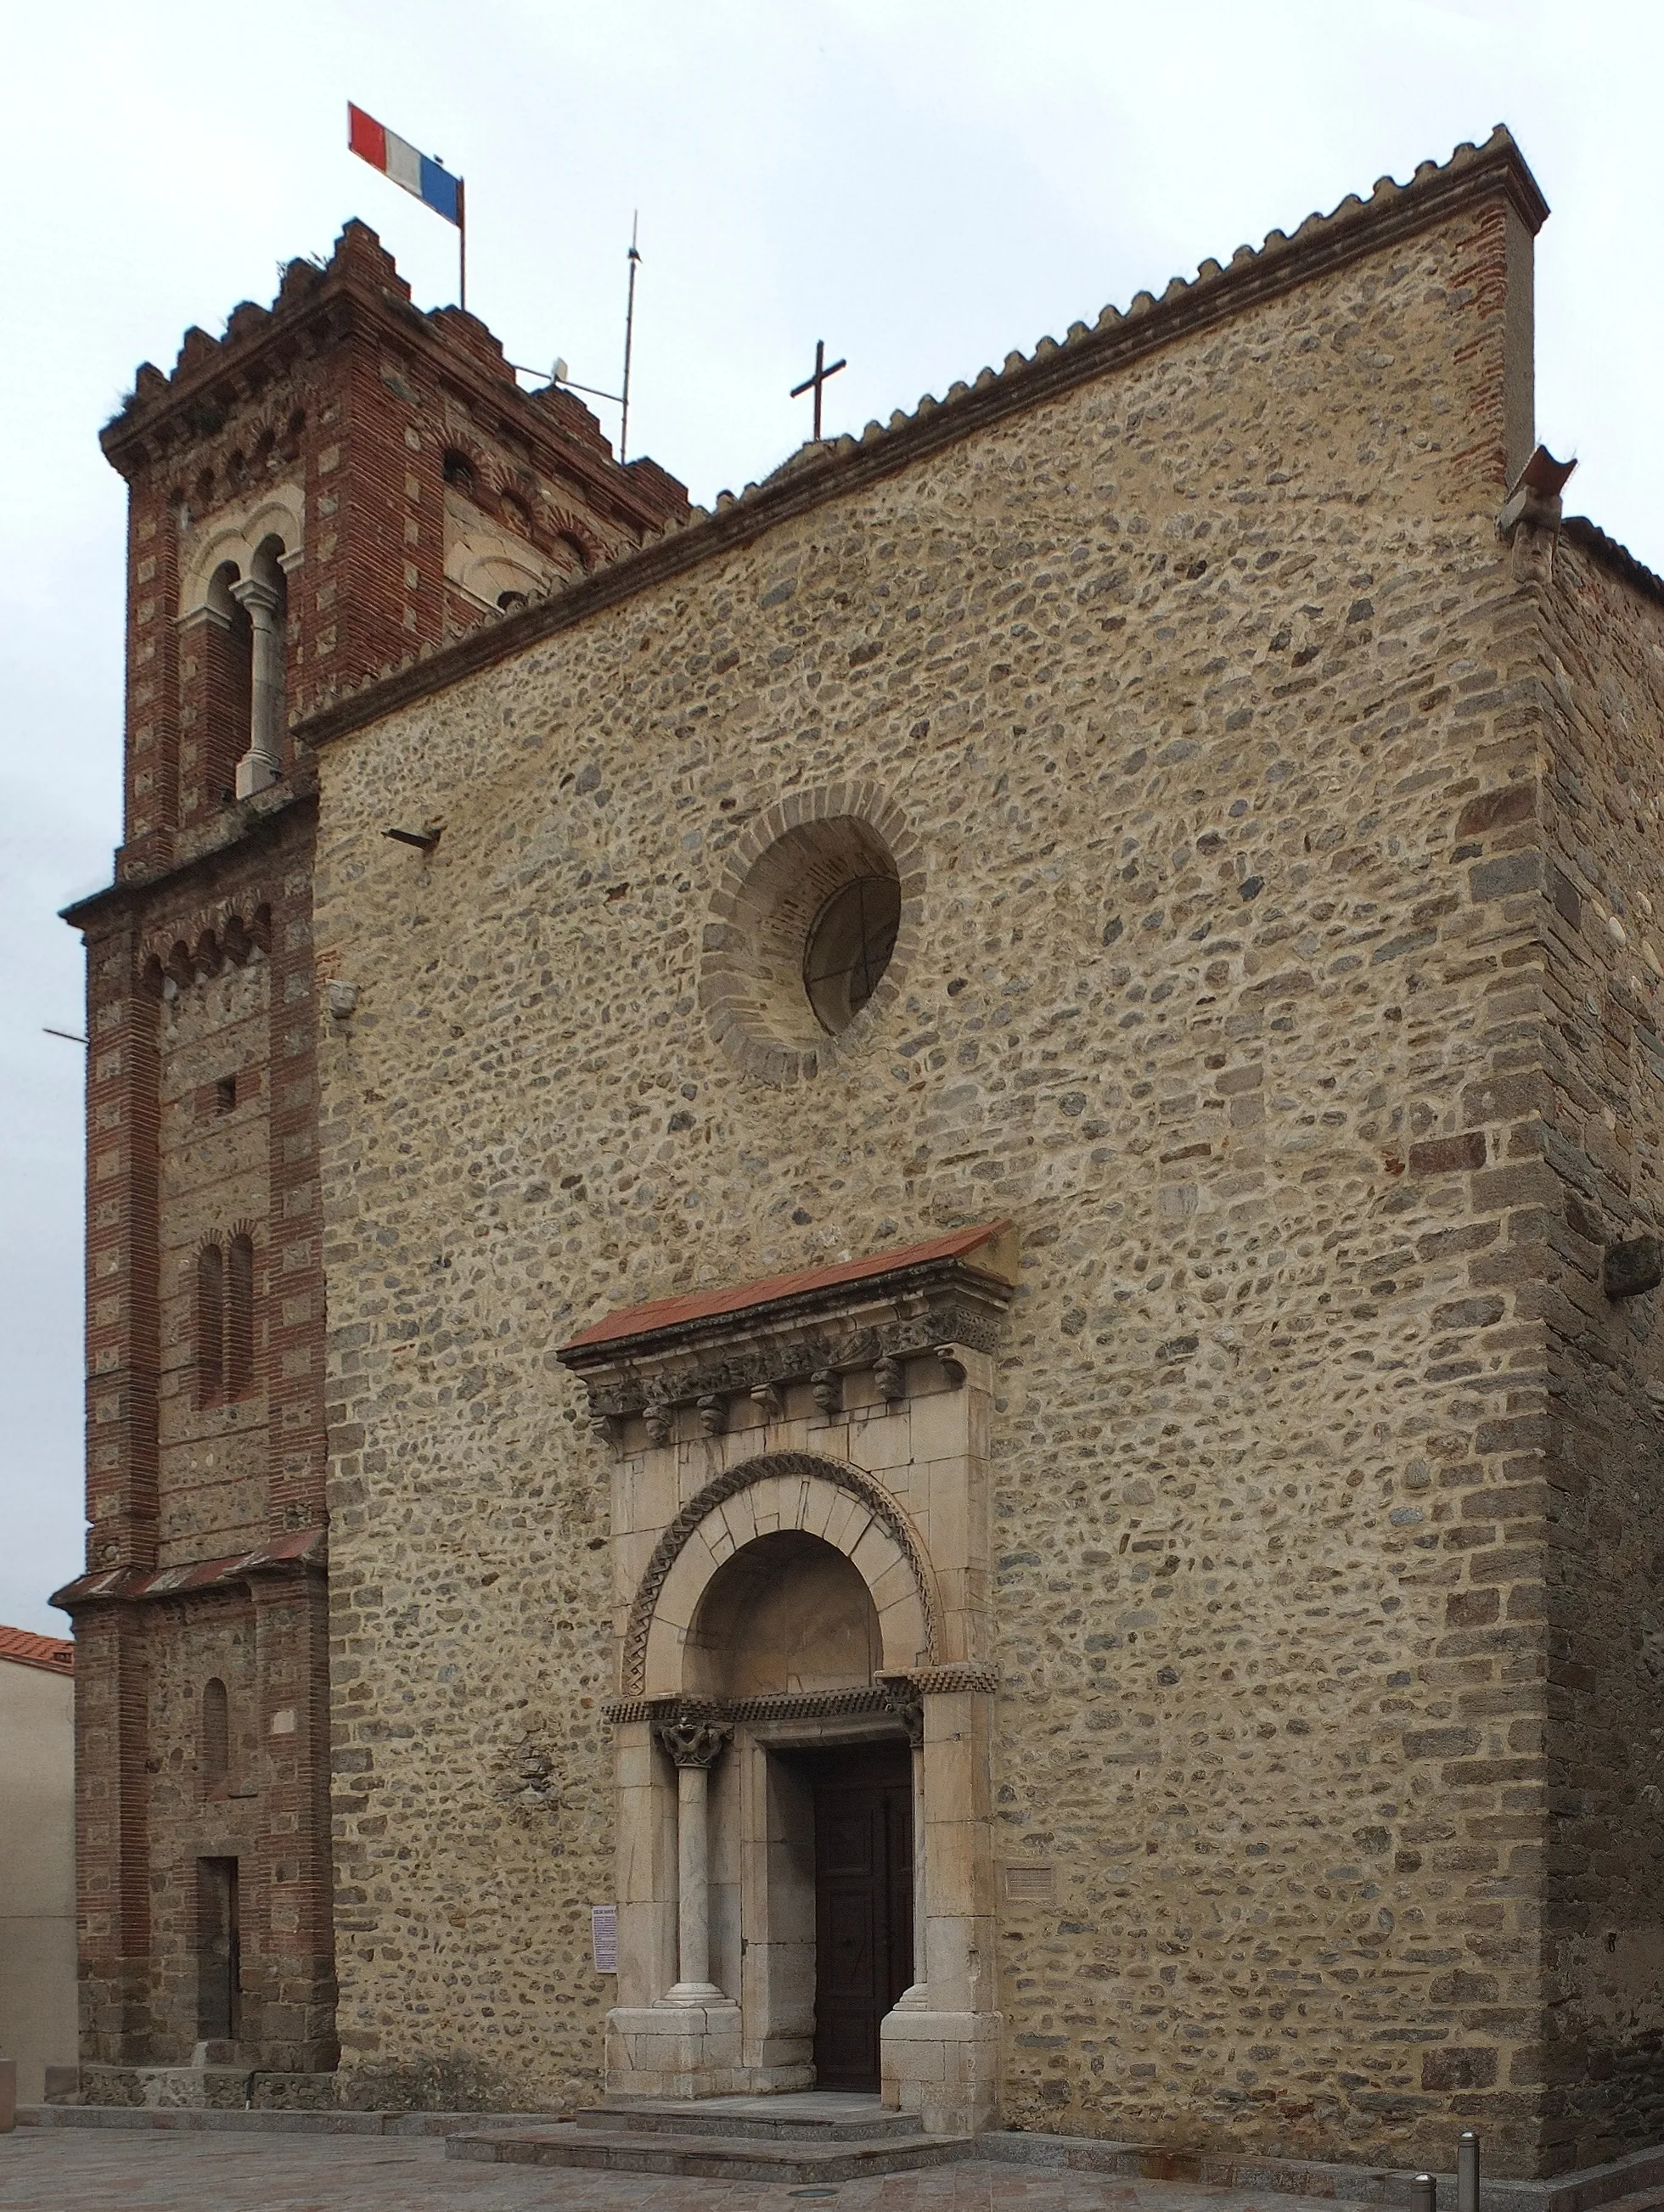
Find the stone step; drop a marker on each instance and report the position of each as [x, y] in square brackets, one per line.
[215, 2119]
[732, 2158]
[815, 2115]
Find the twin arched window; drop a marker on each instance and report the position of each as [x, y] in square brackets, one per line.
[243, 674]
[225, 1320]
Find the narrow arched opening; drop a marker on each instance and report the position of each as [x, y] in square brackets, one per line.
[227, 675]
[240, 1316]
[209, 1324]
[215, 1746]
[223, 1352]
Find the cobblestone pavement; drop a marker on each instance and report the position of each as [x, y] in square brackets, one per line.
[57, 2169]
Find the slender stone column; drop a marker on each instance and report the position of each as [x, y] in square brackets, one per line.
[263, 762]
[906, 1702]
[695, 1744]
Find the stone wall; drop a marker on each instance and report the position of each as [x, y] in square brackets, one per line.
[195, 985]
[1191, 684]
[214, 1151]
[1596, 1466]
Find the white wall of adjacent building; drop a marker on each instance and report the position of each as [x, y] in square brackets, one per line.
[37, 1872]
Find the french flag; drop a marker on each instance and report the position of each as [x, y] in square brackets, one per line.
[397, 158]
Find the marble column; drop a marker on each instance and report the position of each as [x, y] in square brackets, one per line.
[906, 1702]
[695, 1744]
[263, 762]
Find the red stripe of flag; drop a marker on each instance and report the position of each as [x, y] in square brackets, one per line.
[366, 138]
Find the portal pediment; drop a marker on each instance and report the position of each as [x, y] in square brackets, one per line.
[696, 1354]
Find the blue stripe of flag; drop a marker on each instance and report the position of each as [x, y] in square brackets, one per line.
[439, 191]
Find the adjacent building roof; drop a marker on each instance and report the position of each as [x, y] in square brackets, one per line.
[54, 1655]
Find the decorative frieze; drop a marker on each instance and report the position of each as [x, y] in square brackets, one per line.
[898, 1694]
[934, 1304]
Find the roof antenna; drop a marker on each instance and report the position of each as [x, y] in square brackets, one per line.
[629, 336]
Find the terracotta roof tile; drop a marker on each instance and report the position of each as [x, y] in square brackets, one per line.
[53, 1653]
[709, 1305]
[197, 1574]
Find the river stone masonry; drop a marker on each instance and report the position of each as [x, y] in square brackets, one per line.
[1283, 966]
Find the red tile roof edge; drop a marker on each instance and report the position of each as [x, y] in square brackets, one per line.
[195, 1574]
[54, 1655]
[711, 1305]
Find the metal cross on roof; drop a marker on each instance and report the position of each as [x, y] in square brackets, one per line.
[814, 383]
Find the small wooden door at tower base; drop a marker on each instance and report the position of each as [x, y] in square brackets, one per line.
[863, 1905]
[219, 1951]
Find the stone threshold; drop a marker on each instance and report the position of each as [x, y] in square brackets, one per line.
[216, 2120]
[736, 2157]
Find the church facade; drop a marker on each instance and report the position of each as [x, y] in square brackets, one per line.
[986, 1144]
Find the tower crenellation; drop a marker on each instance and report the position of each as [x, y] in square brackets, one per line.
[338, 482]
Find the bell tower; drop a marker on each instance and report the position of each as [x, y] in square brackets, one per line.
[338, 484]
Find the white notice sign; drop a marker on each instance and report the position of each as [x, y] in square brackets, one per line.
[604, 1936]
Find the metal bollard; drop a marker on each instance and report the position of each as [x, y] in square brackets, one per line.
[1467, 2171]
[1423, 2194]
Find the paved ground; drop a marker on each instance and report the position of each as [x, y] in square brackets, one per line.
[53, 2170]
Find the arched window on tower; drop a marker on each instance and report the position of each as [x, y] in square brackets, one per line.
[210, 1324]
[224, 1348]
[264, 596]
[238, 1316]
[216, 1747]
[227, 666]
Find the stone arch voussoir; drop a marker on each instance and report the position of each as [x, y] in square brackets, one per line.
[813, 1477]
[757, 1011]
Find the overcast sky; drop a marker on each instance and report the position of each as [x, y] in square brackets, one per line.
[925, 184]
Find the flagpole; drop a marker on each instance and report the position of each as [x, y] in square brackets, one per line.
[629, 336]
[462, 245]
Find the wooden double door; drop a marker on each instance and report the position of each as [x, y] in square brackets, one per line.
[863, 1903]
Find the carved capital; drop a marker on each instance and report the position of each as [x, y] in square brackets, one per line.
[259, 597]
[827, 1390]
[889, 1378]
[903, 1697]
[693, 1739]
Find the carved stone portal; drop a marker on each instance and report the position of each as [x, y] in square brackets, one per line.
[801, 1549]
